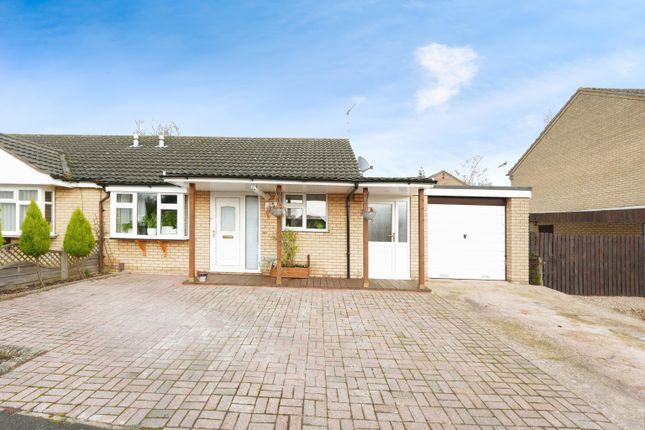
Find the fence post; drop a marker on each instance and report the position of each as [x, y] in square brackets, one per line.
[64, 266]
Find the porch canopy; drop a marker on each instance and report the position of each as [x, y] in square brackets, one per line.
[272, 189]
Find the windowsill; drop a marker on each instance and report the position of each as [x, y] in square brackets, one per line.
[17, 235]
[305, 230]
[146, 237]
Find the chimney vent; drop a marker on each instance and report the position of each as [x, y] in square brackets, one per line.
[161, 141]
[135, 140]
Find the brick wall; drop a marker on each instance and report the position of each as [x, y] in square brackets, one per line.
[327, 249]
[517, 240]
[591, 157]
[153, 256]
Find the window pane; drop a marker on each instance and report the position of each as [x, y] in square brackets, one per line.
[316, 211]
[124, 220]
[186, 215]
[27, 195]
[6, 195]
[146, 212]
[49, 196]
[402, 213]
[380, 230]
[124, 198]
[293, 199]
[227, 218]
[23, 214]
[8, 216]
[168, 221]
[251, 237]
[170, 199]
[48, 214]
[293, 217]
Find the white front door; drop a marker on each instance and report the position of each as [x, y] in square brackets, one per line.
[466, 241]
[389, 240]
[227, 234]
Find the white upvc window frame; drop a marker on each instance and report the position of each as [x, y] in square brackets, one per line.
[40, 201]
[303, 207]
[180, 207]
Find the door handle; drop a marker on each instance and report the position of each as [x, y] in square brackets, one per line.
[393, 237]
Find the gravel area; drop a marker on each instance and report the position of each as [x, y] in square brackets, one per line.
[632, 306]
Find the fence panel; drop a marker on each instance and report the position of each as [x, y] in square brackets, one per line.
[599, 265]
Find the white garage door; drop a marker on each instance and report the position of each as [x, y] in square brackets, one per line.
[466, 241]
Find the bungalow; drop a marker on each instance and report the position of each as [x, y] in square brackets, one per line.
[180, 204]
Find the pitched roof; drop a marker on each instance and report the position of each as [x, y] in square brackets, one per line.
[111, 159]
[441, 175]
[626, 92]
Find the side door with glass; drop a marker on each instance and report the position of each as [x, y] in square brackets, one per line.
[388, 240]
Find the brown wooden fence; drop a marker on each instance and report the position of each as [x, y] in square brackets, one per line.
[594, 265]
[18, 270]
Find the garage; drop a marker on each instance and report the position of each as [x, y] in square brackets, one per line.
[466, 237]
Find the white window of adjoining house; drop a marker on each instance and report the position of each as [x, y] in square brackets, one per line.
[149, 215]
[14, 204]
[307, 212]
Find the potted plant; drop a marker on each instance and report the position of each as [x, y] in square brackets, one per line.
[169, 222]
[290, 269]
[126, 227]
[202, 276]
[150, 220]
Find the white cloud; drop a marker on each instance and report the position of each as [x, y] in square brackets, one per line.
[449, 68]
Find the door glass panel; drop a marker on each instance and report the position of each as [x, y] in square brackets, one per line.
[252, 220]
[380, 230]
[402, 214]
[227, 218]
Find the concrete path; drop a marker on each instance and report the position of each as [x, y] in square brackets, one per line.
[147, 351]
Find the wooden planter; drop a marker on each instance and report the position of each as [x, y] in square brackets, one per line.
[292, 272]
[300, 272]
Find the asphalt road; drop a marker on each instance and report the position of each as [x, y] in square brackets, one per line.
[25, 422]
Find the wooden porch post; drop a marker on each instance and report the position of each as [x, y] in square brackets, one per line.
[365, 241]
[422, 239]
[278, 237]
[191, 231]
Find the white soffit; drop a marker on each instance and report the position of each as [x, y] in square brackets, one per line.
[478, 192]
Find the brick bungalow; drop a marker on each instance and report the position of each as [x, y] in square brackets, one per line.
[180, 204]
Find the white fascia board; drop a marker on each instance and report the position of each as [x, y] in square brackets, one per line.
[256, 181]
[146, 188]
[65, 184]
[478, 192]
[412, 185]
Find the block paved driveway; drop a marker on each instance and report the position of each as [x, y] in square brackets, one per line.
[147, 351]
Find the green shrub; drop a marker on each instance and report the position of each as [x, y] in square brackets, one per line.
[79, 240]
[289, 248]
[35, 240]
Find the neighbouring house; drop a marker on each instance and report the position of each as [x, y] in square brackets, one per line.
[444, 178]
[181, 204]
[587, 168]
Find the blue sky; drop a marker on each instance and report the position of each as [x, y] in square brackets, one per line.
[434, 82]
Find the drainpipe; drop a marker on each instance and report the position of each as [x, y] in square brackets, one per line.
[102, 230]
[347, 219]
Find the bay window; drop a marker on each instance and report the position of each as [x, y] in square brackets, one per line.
[307, 212]
[149, 214]
[14, 203]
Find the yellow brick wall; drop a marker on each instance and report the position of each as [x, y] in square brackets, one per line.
[138, 255]
[591, 158]
[517, 240]
[327, 249]
[587, 228]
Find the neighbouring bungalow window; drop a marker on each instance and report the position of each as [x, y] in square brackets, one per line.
[148, 214]
[14, 204]
[305, 212]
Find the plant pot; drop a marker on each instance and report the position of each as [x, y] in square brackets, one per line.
[168, 230]
[151, 231]
[292, 272]
[202, 276]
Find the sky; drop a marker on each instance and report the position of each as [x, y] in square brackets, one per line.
[432, 83]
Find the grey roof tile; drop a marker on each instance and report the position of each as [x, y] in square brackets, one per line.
[111, 159]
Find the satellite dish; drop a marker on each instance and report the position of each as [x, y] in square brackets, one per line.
[363, 164]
